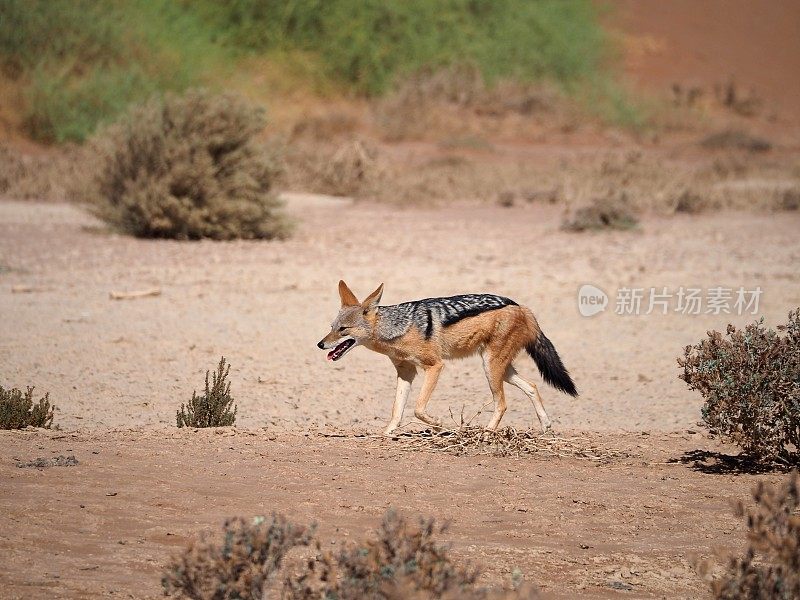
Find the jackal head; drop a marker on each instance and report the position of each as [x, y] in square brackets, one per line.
[354, 323]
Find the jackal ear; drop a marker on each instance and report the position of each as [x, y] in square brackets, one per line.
[372, 300]
[347, 296]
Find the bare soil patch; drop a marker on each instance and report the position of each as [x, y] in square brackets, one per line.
[264, 306]
[631, 526]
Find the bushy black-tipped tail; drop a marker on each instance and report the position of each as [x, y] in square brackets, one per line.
[550, 366]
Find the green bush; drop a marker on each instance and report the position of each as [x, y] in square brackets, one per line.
[17, 410]
[750, 380]
[83, 62]
[368, 44]
[213, 408]
[769, 569]
[187, 167]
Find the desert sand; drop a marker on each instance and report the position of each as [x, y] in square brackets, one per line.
[119, 369]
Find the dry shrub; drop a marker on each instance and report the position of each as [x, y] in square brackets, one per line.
[790, 199]
[731, 97]
[187, 167]
[326, 127]
[424, 100]
[770, 566]
[11, 168]
[455, 100]
[351, 170]
[405, 560]
[17, 410]
[687, 201]
[213, 408]
[239, 565]
[47, 176]
[750, 380]
[403, 553]
[735, 139]
[602, 213]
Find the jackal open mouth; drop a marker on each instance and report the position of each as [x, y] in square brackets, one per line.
[341, 349]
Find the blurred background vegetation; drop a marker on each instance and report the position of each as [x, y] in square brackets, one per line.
[79, 63]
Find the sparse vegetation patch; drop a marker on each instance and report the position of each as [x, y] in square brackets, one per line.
[735, 139]
[18, 410]
[769, 569]
[404, 560]
[750, 381]
[213, 408]
[604, 212]
[237, 566]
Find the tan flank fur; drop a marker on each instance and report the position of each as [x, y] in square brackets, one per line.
[421, 335]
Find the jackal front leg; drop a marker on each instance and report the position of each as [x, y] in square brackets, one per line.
[405, 376]
[431, 377]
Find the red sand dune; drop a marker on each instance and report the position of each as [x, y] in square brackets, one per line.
[707, 42]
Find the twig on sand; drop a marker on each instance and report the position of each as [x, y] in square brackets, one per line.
[134, 294]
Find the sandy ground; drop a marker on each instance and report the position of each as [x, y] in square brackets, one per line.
[628, 528]
[118, 370]
[112, 363]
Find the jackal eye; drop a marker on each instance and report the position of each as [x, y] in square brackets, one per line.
[342, 328]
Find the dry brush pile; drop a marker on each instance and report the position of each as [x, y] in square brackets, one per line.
[507, 441]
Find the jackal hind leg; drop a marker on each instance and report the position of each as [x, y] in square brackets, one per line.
[405, 376]
[532, 392]
[495, 368]
[431, 378]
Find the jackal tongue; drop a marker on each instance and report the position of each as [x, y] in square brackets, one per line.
[339, 350]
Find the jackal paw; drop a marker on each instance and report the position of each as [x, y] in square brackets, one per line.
[426, 418]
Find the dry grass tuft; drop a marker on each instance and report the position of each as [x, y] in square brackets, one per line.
[790, 200]
[507, 441]
[735, 139]
[455, 101]
[213, 408]
[602, 213]
[49, 176]
[770, 566]
[690, 202]
[352, 169]
[17, 410]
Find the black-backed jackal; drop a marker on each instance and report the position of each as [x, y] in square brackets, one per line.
[424, 333]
